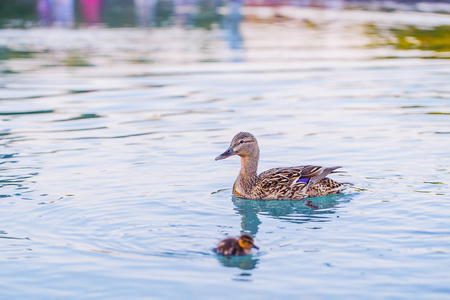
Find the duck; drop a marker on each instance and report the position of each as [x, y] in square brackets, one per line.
[285, 183]
[236, 247]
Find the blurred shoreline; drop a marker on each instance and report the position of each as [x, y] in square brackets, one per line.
[187, 13]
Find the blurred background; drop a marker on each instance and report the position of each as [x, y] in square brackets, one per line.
[165, 13]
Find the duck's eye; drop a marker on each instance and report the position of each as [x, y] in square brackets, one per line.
[241, 141]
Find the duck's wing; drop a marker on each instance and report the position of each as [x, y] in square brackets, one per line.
[291, 182]
[229, 246]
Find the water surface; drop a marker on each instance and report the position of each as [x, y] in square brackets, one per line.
[109, 188]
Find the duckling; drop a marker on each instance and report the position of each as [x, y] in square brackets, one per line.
[236, 247]
[292, 183]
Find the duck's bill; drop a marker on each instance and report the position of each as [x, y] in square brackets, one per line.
[228, 153]
[256, 247]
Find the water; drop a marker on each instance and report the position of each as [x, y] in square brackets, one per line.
[109, 187]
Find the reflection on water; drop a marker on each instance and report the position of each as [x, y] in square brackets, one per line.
[246, 262]
[162, 13]
[112, 13]
[234, 18]
[56, 12]
[411, 37]
[202, 30]
[315, 209]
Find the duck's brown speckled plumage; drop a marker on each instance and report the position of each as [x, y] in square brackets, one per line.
[236, 247]
[279, 183]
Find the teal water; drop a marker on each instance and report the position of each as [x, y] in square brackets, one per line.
[109, 188]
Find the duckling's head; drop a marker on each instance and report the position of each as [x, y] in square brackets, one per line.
[246, 241]
[243, 144]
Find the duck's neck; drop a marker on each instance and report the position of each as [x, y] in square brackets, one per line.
[249, 166]
[247, 176]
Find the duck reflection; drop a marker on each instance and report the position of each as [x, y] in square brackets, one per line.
[316, 209]
[247, 262]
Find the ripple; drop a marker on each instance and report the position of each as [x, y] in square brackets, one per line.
[33, 112]
[80, 117]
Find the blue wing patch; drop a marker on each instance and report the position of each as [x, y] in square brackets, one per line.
[305, 180]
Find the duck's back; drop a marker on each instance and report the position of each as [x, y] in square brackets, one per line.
[229, 246]
[296, 183]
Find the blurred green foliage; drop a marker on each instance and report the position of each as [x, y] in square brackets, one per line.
[410, 37]
[76, 59]
[6, 53]
[17, 13]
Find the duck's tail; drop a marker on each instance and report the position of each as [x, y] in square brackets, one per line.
[322, 185]
[342, 186]
[325, 172]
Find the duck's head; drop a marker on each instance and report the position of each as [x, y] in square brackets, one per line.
[243, 144]
[246, 241]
